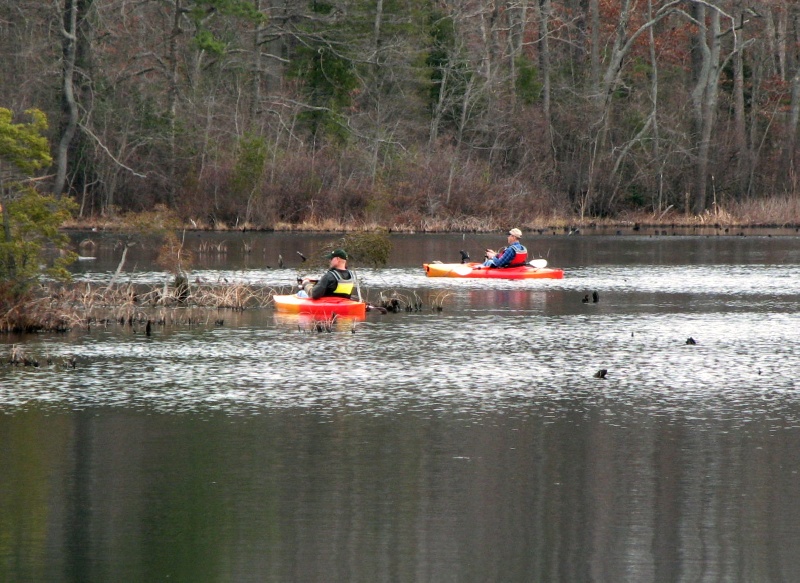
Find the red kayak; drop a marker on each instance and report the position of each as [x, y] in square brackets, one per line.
[536, 269]
[324, 307]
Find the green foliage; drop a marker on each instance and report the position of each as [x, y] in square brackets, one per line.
[637, 198]
[22, 145]
[30, 220]
[33, 221]
[528, 86]
[321, 7]
[201, 11]
[205, 41]
[442, 35]
[371, 249]
[244, 9]
[328, 82]
[250, 160]
[450, 72]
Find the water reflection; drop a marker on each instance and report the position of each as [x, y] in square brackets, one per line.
[468, 444]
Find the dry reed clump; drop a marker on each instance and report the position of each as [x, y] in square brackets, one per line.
[235, 297]
[58, 309]
[775, 211]
[37, 315]
[19, 356]
[396, 301]
[329, 225]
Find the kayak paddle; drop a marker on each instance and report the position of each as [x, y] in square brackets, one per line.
[466, 269]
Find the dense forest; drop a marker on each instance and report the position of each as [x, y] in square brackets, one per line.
[409, 113]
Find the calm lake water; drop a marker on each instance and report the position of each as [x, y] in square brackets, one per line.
[471, 444]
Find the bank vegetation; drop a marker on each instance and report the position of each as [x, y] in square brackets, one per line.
[412, 114]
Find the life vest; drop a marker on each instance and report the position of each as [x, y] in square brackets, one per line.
[344, 287]
[521, 258]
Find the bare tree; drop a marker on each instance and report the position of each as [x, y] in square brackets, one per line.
[69, 34]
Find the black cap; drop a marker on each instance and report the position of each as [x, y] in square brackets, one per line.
[340, 253]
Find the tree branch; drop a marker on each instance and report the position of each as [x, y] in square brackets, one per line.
[110, 155]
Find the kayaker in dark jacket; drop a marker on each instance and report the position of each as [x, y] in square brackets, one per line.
[338, 281]
[511, 256]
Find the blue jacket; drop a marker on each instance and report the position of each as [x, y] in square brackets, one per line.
[507, 256]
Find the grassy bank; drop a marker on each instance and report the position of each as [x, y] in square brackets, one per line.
[778, 212]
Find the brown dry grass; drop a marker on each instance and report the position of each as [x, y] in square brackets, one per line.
[64, 307]
[766, 212]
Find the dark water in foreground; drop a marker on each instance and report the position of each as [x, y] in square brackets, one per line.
[471, 444]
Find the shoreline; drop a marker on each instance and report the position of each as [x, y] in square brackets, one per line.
[603, 229]
[777, 219]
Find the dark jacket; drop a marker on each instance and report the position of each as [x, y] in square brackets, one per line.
[336, 283]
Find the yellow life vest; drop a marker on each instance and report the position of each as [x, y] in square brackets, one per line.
[344, 287]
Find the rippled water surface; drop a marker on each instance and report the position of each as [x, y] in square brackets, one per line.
[473, 443]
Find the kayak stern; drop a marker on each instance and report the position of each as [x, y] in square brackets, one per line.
[323, 307]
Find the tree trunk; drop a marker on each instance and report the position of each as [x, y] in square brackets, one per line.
[544, 66]
[173, 99]
[12, 268]
[654, 112]
[791, 130]
[69, 106]
[517, 18]
[594, 19]
[601, 96]
[704, 99]
[740, 127]
[782, 41]
[700, 64]
[790, 169]
[255, 93]
[466, 105]
[376, 34]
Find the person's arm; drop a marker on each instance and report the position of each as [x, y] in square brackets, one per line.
[321, 287]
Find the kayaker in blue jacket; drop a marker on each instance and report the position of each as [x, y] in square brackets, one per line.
[511, 256]
[338, 281]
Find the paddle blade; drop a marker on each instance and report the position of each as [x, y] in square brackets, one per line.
[538, 263]
[462, 270]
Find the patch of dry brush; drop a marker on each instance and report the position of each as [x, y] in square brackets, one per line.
[64, 307]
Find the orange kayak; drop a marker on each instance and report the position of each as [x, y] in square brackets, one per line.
[477, 270]
[325, 307]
